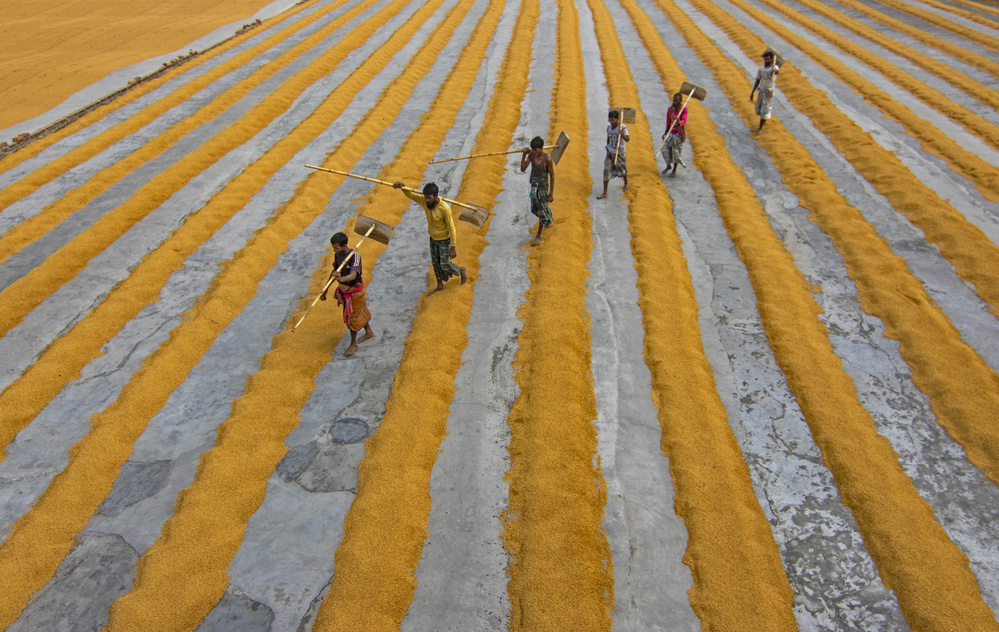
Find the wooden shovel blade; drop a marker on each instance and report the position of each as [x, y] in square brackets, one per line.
[698, 92]
[382, 232]
[560, 145]
[627, 114]
[476, 216]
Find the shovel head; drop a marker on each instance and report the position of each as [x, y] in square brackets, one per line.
[381, 233]
[627, 114]
[476, 216]
[560, 145]
[690, 89]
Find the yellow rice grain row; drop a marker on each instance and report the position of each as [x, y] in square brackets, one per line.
[965, 54]
[979, 6]
[898, 526]
[963, 395]
[975, 124]
[23, 295]
[974, 256]
[133, 124]
[560, 566]
[971, 87]
[63, 360]
[984, 175]
[42, 537]
[960, 30]
[739, 580]
[748, 586]
[386, 525]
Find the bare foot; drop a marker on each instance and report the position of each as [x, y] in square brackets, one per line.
[434, 289]
[351, 349]
[673, 174]
[464, 275]
[625, 187]
[601, 196]
[537, 240]
[666, 170]
[366, 337]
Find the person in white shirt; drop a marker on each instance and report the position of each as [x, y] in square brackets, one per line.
[616, 160]
[766, 81]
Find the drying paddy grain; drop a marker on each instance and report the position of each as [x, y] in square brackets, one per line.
[759, 395]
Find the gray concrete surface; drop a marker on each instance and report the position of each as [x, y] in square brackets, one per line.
[284, 567]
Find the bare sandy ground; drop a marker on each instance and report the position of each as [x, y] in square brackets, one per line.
[49, 51]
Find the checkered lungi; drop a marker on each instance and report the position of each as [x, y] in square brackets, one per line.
[440, 257]
[674, 150]
[539, 202]
[613, 169]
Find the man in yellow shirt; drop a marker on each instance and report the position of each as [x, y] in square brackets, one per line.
[440, 225]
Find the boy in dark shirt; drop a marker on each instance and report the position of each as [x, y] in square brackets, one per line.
[350, 293]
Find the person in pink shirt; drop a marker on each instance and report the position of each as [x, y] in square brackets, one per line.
[675, 134]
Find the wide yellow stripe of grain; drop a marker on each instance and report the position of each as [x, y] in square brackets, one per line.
[66, 356]
[960, 30]
[968, 15]
[64, 359]
[50, 51]
[974, 256]
[964, 394]
[988, 8]
[232, 476]
[560, 569]
[50, 217]
[133, 124]
[385, 528]
[739, 578]
[954, 50]
[42, 537]
[22, 296]
[982, 174]
[975, 124]
[928, 573]
[977, 90]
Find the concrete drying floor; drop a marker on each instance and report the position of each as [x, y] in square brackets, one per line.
[760, 395]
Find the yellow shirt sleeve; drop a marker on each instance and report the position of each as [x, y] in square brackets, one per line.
[413, 195]
[449, 220]
[440, 222]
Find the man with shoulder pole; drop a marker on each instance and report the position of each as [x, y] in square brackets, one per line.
[542, 183]
[440, 225]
